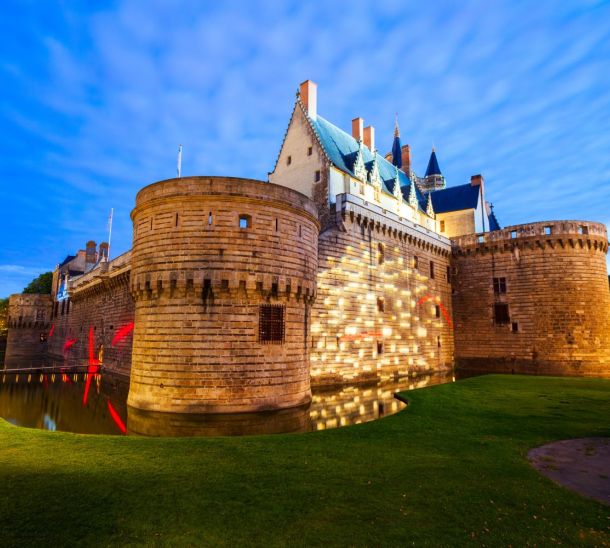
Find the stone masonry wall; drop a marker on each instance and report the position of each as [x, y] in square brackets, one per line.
[378, 314]
[556, 289]
[198, 282]
[100, 304]
[28, 321]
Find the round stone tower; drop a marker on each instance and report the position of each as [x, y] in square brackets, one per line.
[223, 276]
[533, 299]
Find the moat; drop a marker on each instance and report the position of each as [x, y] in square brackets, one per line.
[97, 404]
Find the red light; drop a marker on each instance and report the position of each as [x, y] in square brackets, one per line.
[69, 343]
[115, 417]
[92, 367]
[122, 332]
[442, 307]
[52, 330]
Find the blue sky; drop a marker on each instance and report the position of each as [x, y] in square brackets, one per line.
[96, 96]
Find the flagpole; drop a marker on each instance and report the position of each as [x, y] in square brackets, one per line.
[179, 161]
[110, 231]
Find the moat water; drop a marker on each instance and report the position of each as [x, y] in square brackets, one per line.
[97, 404]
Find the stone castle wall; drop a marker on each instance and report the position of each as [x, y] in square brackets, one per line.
[380, 310]
[556, 289]
[29, 318]
[199, 280]
[101, 308]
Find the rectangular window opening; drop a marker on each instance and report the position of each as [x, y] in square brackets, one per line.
[271, 324]
[437, 311]
[515, 327]
[245, 221]
[309, 151]
[380, 304]
[210, 218]
[317, 176]
[548, 230]
[513, 234]
[442, 226]
[432, 269]
[499, 286]
[379, 347]
[289, 160]
[501, 315]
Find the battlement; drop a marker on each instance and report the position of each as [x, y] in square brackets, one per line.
[574, 234]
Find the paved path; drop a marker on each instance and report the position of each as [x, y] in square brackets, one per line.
[582, 465]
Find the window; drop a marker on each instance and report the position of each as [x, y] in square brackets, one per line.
[176, 223]
[513, 233]
[245, 221]
[548, 230]
[379, 347]
[437, 311]
[481, 238]
[317, 176]
[499, 286]
[380, 254]
[438, 341]
[309, 151]
[39, 315]
[271, 324]
[442, 226]
[583, 230]
[415, 262]
[380, 304]
[210, 218]
[501, 316]
[515, 327]
[289, 160]
[276, 225]
[432, 269]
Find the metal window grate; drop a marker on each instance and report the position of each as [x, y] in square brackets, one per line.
[271, 324]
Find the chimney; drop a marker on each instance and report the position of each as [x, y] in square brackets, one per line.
[405, 154]
[90, 252]
[309, 97]
[357, 131]
[369, 137]
[104, 251]
[476, 180]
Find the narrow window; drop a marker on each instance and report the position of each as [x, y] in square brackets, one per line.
[176, 219]
[415, 262]
[481, 238]
[442, 226]
[309, 151]
[271, 324]
[317, 177]
[438, 341]
[548, 230]
[380, 304]
[379, 347]
[210, 218]
[300, 231]
[380, 254]
[437, 311]
[432, 269]
[289, 160]
[513, 233]
[499, 286]
[515, 327]
[245, 221]
[501, 316]
[276, 225]
[583, 230]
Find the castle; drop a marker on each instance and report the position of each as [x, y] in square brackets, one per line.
[345, 267]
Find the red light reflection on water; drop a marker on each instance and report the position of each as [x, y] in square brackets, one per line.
[52, 330]
[92, 368]
[122, 332]
[116, 418]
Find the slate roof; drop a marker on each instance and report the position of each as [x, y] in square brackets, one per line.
[67, 260]
[493, 222]
[455, 198]
[342, 150]
[433, 168]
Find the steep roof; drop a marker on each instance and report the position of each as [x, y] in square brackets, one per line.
[493, 221]
[342, 150]
[433, 168]
[455, 198]
[67, 260]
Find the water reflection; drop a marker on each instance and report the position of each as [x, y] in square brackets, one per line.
[54, 401]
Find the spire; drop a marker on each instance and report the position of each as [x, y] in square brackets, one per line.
[397, 191]
[359, 169]
[396, 148]
[412, 195]
[433, 168]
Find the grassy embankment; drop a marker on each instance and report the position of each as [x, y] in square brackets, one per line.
[448, 470]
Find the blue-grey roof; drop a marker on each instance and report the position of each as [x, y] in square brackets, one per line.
[455, 198]
[433, 168]
[493, 222]
[67, 260]
[342, 150]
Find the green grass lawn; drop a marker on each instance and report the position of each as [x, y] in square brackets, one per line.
[449, 470]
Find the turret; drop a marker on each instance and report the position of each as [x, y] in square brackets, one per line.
[433, 180]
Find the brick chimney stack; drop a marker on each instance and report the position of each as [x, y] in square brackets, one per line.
[405, 154]
[104, 251]
[90, 253]
[357, 131]
[477, 180]
[309, 97]
[369, 137]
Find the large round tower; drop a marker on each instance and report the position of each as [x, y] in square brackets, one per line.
[223, 275]
[533, 298]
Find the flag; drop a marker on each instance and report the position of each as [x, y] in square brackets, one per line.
[179, 166]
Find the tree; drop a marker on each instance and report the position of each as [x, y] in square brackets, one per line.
[41, 285]
[3, 317]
